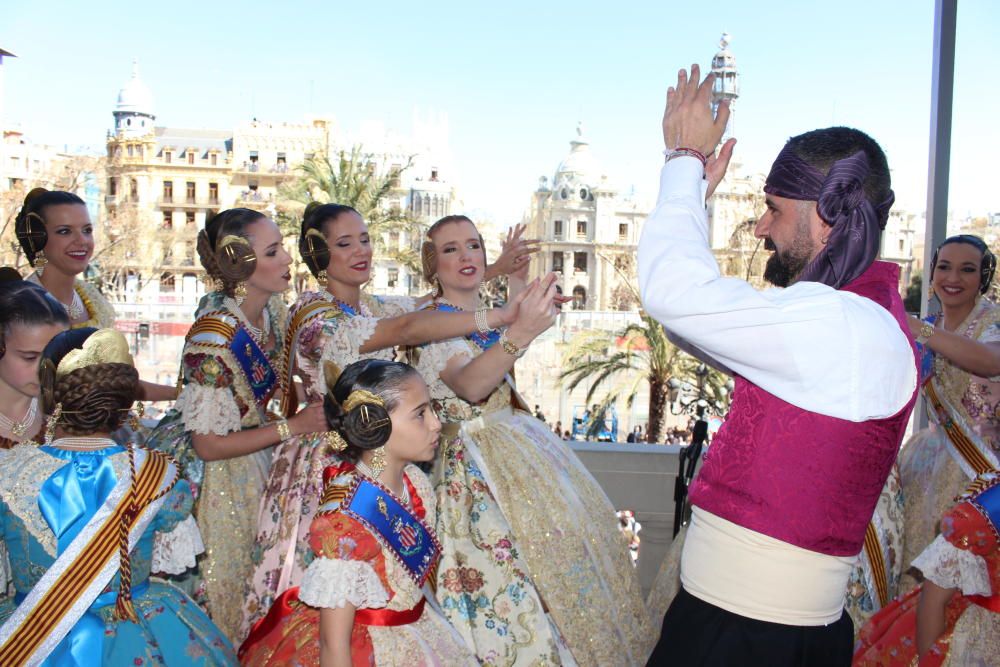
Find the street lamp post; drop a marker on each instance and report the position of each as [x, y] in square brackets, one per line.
[693, 400]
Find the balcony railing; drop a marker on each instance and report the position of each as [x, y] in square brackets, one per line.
[187, 202]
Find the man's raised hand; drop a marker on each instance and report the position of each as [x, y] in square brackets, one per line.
[687, 119]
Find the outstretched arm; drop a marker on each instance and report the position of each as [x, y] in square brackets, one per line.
[474, 379]
[213, 447]
[808, 344]
[425, 326]
[982, 359]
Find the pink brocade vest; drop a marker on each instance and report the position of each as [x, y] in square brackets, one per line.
[800, 477]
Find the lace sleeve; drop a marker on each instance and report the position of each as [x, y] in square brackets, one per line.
[174, 552]
[950, 567]
[435, 356]
[207, 409]
[344, 337]
[394, 306]
[333, 583]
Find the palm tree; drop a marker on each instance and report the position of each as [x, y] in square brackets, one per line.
[352, 178]
[642, 354]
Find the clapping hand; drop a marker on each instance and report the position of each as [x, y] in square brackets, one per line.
[688, 123]
[515, 254]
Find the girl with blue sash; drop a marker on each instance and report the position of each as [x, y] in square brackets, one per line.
[86, 521]
[340, 323]
[534, 569]
[363, 599]
[953, 618]
[219, 428]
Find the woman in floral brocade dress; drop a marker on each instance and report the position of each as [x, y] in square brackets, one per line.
[961, 378]
[219, 428]
[534, 570]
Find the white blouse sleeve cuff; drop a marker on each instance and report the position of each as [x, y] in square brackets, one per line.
[950, 567]
[208, 409]
[333, 583]
[174, 552]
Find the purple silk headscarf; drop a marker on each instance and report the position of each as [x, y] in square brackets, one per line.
[841, 202]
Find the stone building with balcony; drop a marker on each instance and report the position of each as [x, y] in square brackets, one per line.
[164, 183]
[589, 231]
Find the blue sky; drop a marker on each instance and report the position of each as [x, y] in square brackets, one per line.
[515, 77]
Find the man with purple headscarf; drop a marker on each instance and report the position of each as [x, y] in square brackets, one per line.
[826, 377]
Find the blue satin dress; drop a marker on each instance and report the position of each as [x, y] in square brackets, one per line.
[47, 496]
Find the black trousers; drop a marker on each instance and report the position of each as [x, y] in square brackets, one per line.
[698, 634]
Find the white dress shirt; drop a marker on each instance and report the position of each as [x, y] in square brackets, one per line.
[824, 350]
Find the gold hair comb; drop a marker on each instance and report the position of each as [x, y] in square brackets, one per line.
[105, 346]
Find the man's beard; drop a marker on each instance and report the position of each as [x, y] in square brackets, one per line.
[784, 267]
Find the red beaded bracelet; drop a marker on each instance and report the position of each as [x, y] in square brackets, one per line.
[681, 151]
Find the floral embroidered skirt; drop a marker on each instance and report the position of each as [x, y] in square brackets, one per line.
[512, 496]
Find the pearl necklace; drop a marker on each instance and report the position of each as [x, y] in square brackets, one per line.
[75, 306]
[83, 443]
[18, 428]
[259, 334]
[365, 470]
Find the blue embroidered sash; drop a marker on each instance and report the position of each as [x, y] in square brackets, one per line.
[413, 543]
[255, 364]
[484, 341]
[988, 504]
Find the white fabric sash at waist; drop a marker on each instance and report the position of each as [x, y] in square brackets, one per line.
[760, 577]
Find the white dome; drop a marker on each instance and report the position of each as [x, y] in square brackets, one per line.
[135, 97]
[580, 165]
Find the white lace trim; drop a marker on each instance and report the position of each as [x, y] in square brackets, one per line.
[950, 567]
[175, 552]
[208, 409]
[343, 340]
[333, 583]
[435, 357]
[396, 305]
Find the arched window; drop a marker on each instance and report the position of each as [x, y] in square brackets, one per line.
[579, 298]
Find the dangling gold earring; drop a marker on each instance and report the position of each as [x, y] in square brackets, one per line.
[134, 417]
[40, 261]
[323, 278]
[50, 424]
[240, 292]
[377, 463]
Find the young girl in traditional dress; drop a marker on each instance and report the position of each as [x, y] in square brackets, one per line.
[524, 526]
[86, 521]
[219, 428]
[953, 618]
[54, 230]
[362, 599]
[29, 318]
[341, 323]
